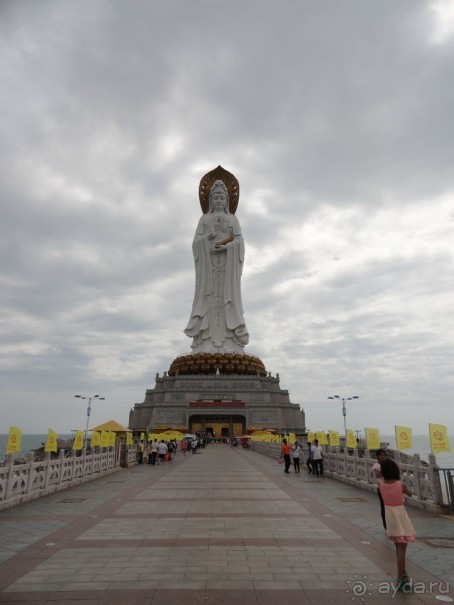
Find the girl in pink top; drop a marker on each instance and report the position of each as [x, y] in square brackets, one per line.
[399, 527]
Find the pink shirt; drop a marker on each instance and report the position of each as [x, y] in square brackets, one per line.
[392, 493]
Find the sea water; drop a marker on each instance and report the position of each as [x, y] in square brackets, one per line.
[29, 442]
[421, 446]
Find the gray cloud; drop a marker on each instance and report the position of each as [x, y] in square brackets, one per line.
[337, 120]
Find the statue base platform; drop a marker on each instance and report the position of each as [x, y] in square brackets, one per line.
[223, 405]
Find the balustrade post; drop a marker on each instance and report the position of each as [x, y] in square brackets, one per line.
[61, 460]
[336, 454]
[434, 474]
[30, 457]
[73, 465]
[416, 475]
[9, 461]
[86, 463]
[47, 458]
[355, 463]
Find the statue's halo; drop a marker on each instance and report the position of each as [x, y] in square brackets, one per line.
[229, 180]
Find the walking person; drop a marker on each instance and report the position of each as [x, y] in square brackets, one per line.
[317, 459]
[140, 451]
[154, 451]
[149, 453]
[376, 468]
[399, 527]
[162, 452]
[285, 454]
[296, 454]
[171, 450]
[310, 468]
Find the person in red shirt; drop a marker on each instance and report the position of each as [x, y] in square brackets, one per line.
[285, 454]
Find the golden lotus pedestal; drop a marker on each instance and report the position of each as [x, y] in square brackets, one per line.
[217, 363]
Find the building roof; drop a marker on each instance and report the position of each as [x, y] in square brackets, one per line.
[112, 425]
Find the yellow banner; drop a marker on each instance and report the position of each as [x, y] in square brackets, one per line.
[51, 443]
[142, 436]
[129, 439]
[310, 436]
[439, 440]
[351, 439]
[95, 439]
[78, 441]
[104, 438]
[403, 437]
[334, 438]
[322, 437]
[111, 438]
[372, 439]
[14, 440]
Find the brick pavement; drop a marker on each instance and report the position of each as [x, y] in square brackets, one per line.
[224, 525]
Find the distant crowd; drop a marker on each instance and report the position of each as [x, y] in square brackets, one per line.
[158, 452]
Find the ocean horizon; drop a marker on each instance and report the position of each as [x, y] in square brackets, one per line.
[29, 442]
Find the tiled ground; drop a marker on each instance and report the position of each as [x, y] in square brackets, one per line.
[220, 526]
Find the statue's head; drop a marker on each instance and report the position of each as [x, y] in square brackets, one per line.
[219, 197]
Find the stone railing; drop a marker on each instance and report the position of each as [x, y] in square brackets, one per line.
[355, 468]
[23, 482]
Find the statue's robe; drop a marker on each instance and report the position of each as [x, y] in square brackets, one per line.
[232, 335]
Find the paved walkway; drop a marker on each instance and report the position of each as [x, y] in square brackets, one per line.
[221, 526]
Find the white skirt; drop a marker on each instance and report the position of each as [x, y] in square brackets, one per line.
[399, 527]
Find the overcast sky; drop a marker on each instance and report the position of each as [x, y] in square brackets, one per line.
[337, 119]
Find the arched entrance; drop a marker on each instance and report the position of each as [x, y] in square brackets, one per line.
[218, 425]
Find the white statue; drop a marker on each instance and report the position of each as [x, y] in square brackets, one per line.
[217, 323]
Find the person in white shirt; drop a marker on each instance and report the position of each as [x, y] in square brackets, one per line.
[154, 451]
[317, 459]
[162, 450]
[296, 454]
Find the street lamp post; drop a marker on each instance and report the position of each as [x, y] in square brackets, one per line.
[344, 409]
[89, 399]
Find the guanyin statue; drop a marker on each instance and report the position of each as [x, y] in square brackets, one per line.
[217, 324]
